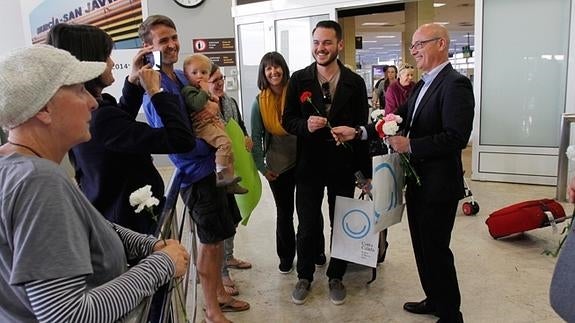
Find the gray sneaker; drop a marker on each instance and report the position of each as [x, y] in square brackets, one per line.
[336, 291]
[300, 291]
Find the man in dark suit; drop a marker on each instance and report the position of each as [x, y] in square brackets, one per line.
[338, 97]
[438, 119]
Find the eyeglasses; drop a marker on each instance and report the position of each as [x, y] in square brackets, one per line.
[419, 44]
[220, 79]
[326, 93]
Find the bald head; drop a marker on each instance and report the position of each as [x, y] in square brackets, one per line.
[436, 30]
[430, 46]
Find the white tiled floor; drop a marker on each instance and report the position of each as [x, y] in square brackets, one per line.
[500, 280]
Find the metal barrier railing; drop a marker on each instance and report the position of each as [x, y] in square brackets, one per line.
[175, 300]
[563, 162]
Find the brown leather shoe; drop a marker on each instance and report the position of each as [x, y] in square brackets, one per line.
[423, 307]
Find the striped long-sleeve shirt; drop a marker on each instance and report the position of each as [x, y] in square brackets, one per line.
[68, 299]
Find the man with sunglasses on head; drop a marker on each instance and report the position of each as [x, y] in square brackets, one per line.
[337, 97]
[438, 118]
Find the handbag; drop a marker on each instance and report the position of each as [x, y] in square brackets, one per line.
[524, 216]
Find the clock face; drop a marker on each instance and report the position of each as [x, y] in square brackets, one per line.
[189, 3]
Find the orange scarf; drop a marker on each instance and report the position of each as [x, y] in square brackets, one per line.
[272, 109]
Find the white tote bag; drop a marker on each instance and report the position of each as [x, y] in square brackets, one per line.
[387, 182]
[353, 237]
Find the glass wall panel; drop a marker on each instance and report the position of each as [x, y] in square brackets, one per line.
[293, 40]
[524, 71]
[251, 49]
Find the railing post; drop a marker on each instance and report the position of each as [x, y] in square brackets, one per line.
[563, 162]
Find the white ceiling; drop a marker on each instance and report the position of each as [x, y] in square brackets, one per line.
[384, 42]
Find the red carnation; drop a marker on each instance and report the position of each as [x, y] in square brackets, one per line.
[379, 129]
[305, 96]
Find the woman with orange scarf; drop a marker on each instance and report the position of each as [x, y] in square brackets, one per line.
[274, 151]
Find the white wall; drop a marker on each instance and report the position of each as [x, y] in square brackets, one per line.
[212, 19]
[11, 26]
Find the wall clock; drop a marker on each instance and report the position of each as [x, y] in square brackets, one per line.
[189, 3]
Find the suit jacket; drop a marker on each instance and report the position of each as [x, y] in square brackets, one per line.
[439, 131]
[317, 153]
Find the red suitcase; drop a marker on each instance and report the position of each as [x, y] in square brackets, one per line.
[524, 216]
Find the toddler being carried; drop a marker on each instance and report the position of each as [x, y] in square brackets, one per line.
[212, 130]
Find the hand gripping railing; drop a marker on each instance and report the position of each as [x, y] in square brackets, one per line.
[174, 296]
[563, 161]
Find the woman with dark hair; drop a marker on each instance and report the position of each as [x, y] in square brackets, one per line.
[382, 85]
[117, 161]
[274, 153]
[87, 43]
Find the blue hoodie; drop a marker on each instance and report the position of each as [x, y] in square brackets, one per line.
[196, 164]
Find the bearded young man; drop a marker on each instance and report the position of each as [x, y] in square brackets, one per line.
[339, 98]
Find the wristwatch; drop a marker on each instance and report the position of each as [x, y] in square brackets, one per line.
[358, 133]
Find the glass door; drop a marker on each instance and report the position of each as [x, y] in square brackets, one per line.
[287, 32]
[522, 90]
[293, 40]
[251, 44]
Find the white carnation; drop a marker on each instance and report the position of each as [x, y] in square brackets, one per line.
[142, 198]
[390, 128]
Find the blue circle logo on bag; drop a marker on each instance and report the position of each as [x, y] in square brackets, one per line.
[386, 202]
[356, 224]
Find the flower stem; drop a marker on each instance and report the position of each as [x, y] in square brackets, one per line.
[565, 233]
[344, 144]
[409, 171]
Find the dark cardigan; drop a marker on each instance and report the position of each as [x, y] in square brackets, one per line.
[117, 160]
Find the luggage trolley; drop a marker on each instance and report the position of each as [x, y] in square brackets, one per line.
[470, 207]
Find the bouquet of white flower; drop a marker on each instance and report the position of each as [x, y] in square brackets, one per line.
[388, 125]
[142, 199]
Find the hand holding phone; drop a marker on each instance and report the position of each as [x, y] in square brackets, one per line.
[154, 59]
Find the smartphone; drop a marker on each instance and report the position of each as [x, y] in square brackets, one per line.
[154, 59]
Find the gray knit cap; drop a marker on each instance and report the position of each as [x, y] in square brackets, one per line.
[30, 76]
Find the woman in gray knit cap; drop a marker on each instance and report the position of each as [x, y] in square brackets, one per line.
[61, 260]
